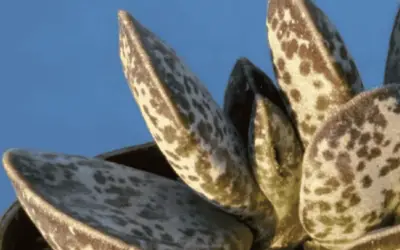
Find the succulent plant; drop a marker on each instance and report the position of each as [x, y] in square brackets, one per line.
[313, 163]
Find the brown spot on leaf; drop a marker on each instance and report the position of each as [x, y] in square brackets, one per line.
[360, 166]
[366, 181]
[296, 95]
[364, 138]
[322, 191]
[322, 103]
[343, 165]
[292, 48]
[281, 64]
[328, 155]
[305, 68]
[287, 78]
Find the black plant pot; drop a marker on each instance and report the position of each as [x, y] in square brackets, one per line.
[17, 232]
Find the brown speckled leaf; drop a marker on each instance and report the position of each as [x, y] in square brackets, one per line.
[272, 132]
[276, 154]
[382, 239]
[351, 169]
[313, 245]
[311, 63]
[245, 81]
[193, 133]
[88, 203]
[15, 223]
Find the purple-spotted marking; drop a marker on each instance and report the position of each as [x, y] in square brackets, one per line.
[190, 129]
[311, 63]
[351, 170]
[83, 203]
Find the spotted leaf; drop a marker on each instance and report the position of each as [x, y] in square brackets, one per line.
[392, 71]
[88, 203]
[15, 223]
[351, 169]
[313, 245]
[311, 63]
[275, 156]
[382, 239]
[199, 142]
[245, 81]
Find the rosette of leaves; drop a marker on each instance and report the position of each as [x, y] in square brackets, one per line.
[312, 163]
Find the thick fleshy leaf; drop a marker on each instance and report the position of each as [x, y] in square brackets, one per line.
[276, 154]
[199, 142]
[245, 81]
[88, 203]
[382, 239]
[311, 63]
[15, 223]
[392, 71]
[18, 232]
[313, 245]
[275, 137]
[351, 169]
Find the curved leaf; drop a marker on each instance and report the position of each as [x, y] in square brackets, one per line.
[275, 155]
[190, 129]
[88, 203]
[245, 81]
[351, 169]
[311, 63]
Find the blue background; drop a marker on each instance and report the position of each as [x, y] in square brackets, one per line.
[61, 84]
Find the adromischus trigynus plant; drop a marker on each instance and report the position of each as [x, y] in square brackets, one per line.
[313, 163]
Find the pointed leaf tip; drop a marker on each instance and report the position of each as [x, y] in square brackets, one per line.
[122, 15]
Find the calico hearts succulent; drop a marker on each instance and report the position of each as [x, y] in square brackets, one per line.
[312, 164]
